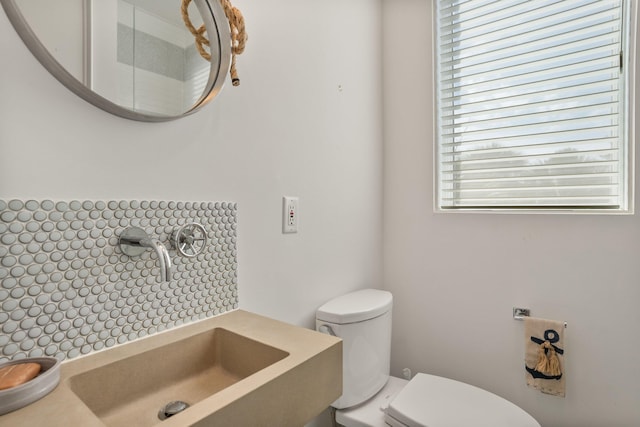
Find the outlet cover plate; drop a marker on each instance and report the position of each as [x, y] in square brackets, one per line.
[289, 214]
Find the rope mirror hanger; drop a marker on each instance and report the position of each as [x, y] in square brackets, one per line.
[238, 34]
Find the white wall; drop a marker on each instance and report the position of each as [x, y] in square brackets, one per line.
[305, 122]
[456, 277]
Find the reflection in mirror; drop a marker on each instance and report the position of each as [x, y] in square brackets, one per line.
[159, 68]
[60, 27]
[136, 54]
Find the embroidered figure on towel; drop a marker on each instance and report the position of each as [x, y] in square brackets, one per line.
[548, 365]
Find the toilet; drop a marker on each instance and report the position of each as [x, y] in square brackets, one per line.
[372, 398]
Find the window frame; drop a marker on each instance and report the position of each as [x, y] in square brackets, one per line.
[629, 47]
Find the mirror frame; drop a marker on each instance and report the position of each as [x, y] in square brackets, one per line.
[215, 19]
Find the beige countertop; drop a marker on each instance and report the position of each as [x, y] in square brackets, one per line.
[289, 392]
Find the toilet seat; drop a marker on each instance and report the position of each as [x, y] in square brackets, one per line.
[432, 401]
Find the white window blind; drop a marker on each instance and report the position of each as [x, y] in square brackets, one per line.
[531, 104]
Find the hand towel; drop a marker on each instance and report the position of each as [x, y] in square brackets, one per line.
[544, 355]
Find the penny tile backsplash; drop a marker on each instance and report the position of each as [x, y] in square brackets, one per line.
[66, 288]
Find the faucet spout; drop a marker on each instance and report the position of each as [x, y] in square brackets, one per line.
[134, 241]
[163, 257]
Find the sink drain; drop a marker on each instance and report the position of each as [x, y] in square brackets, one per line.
[172, 408]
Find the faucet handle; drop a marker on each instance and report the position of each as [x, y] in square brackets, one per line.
[190, 239]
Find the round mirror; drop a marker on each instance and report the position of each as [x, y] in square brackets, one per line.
[133, 58]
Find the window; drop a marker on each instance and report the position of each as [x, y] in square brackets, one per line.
[532, 104]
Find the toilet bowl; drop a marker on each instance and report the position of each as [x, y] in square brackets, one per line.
[373, 398]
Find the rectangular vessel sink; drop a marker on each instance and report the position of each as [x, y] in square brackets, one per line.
[234, 369]
[131, 391]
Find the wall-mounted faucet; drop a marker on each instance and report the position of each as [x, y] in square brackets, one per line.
[134, 241]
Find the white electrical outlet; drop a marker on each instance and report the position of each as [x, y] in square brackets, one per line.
[289, 214]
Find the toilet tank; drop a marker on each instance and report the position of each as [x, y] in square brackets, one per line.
[363, 320]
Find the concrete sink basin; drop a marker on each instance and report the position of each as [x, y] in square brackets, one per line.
[134, 390]
[235, 369]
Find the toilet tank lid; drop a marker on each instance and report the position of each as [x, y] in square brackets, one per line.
[356, 306]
